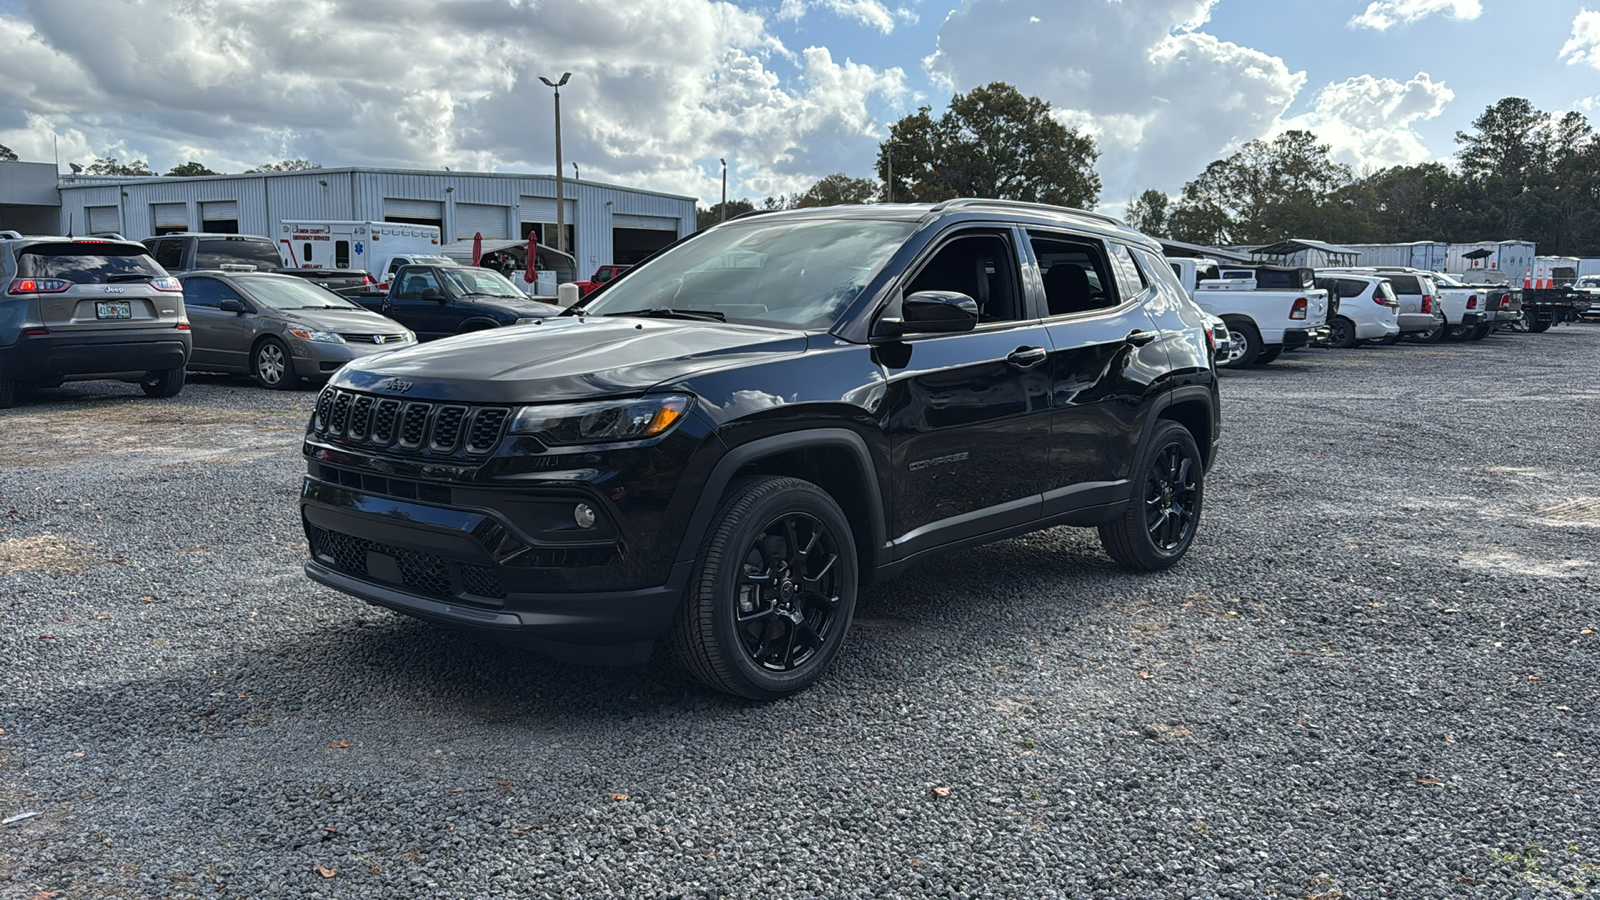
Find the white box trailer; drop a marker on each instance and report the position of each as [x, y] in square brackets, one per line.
[1514, 259]
[1589, 266]
[1429, 256]
[368, 246]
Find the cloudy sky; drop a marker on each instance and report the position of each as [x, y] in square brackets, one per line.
[786, 90]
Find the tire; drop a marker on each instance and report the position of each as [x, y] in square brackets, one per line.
[1458, 332]
[272, 366]
[1341, 333]
[10, 393]
[1169, 491]
[1479, 332]
[166, 383]
[1538, 324]
[1244, 344]
[1268, 354]
[1432, 336]
[765, 530]
[1388, 340]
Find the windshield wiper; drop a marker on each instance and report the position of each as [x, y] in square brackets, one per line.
[666, 313]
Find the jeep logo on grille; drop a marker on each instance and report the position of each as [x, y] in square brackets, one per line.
[398, 385]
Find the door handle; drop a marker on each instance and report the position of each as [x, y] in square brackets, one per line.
[1140, 338]
[1027, 357]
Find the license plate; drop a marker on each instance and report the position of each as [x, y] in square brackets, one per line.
[113, 309]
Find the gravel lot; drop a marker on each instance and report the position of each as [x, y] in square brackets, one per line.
[1375, 675]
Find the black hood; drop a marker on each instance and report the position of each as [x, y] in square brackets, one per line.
[566, 358]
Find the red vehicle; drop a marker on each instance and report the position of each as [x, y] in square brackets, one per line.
[601, 276]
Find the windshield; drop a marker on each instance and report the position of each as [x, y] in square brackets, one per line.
[91, 263]
[784, 273]
[468, 280]
[1444, 280]
[1589, 281]
[218, 252]
[286, 292]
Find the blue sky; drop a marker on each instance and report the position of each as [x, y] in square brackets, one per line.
[787, 90]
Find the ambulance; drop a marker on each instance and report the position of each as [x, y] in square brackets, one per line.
[367, 246]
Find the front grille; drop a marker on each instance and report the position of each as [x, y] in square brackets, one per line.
[373, 338]
[388, 487]
[421, 573]
[414, 426]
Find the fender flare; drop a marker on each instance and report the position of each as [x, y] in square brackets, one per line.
[476, 323]
[744, 454]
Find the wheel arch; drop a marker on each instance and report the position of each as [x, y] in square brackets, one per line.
[1194, 408]
[476, 324]
[834, 459]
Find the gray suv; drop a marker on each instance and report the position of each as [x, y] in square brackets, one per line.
[280, 329]
[83, 309]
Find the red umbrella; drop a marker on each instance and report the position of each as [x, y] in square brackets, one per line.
[477, 248]
[533, 259]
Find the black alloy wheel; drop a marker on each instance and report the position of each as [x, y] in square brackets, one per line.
[1341, 333]
[1479, 332]
[773, 592]
[1163, 514]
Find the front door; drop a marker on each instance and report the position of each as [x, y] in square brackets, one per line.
[1105, 356]
[429, 317]
[222, 339]
[967, 414]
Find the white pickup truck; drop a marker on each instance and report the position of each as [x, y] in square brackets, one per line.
[1268, 309]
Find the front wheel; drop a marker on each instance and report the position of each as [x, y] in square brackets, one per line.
[1164, 511]
[165, 383]
[773, 592]
[272, 366]
[1268, 354]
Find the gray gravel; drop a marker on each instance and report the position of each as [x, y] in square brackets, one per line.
[1371, 678]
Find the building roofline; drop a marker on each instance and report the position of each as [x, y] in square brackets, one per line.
[81, 180]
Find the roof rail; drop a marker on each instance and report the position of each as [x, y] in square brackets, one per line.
[1024, 204]
[11, 235]
[108, 235]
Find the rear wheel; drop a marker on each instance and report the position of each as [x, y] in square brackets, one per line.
[1164, 512]
[1268, 354]
[1479, 332]
[1244, 344]
[1457, 332]
[272, 366]
[166, 383]
[773, 591]
[1432, 336]
[10, 393]
[1341, 333]
[1540, 322]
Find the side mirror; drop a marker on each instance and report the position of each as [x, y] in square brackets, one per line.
[231, 305]
[432, 294]
[933, 312]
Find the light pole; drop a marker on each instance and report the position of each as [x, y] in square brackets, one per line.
[724, 189]
[561, 200]
[888, 183]
[575, 175]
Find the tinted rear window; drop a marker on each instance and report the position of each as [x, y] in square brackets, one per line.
[87, 263]
[1405, 284]
[214, 254]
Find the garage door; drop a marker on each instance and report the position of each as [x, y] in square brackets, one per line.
[102, 218]
[478, 218]
[632, 245]
[648, 223]
[412, 209]
[170, 215]
[543, 209]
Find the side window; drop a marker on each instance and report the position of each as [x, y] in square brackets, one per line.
[1349, 287]
[341, 254]
[981, 266]
[394, 266]
[414, 280]
[305, 258]
[1156, 272]
[204, 292]
[1130, 281]
[169, 253]
[1077, 274]
[1405, 284]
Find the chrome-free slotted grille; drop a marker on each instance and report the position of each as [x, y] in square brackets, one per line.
[447, 427]
[408, 425]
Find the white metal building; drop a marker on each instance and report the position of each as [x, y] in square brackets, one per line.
[605, 223]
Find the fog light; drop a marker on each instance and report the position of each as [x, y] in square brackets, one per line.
[583, 515]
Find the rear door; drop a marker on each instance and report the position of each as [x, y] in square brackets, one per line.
[98, 286]
[1105, 354]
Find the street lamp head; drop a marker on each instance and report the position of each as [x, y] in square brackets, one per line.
[723, 161]
[564, 77]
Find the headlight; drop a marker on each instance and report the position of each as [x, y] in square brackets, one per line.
[602, 422]
[411, 337]
[321, 337]
[529, 320]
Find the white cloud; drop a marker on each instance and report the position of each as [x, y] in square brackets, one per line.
[1385, 14]
[1367, 121]
[1161, 97]
[1584, 45]
[871, 13]
[235, 83]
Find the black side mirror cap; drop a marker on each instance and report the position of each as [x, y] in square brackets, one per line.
[932, 312]
[231, 305]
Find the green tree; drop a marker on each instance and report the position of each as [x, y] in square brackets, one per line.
[992, 142]
[190, 169]
[1265, 192]
[705, 218]
[1148, 213]
[287, 165]
[110, 165]
[7, 154]
[838, 190]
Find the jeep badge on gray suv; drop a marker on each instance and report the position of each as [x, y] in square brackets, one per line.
[75, 310]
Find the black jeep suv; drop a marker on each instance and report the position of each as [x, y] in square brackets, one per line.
[725, 442]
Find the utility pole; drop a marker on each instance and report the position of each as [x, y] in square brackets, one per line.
[888, 183]
[561, 200]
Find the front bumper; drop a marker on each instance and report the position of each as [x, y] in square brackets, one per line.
[63, 355]
[315, 358]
